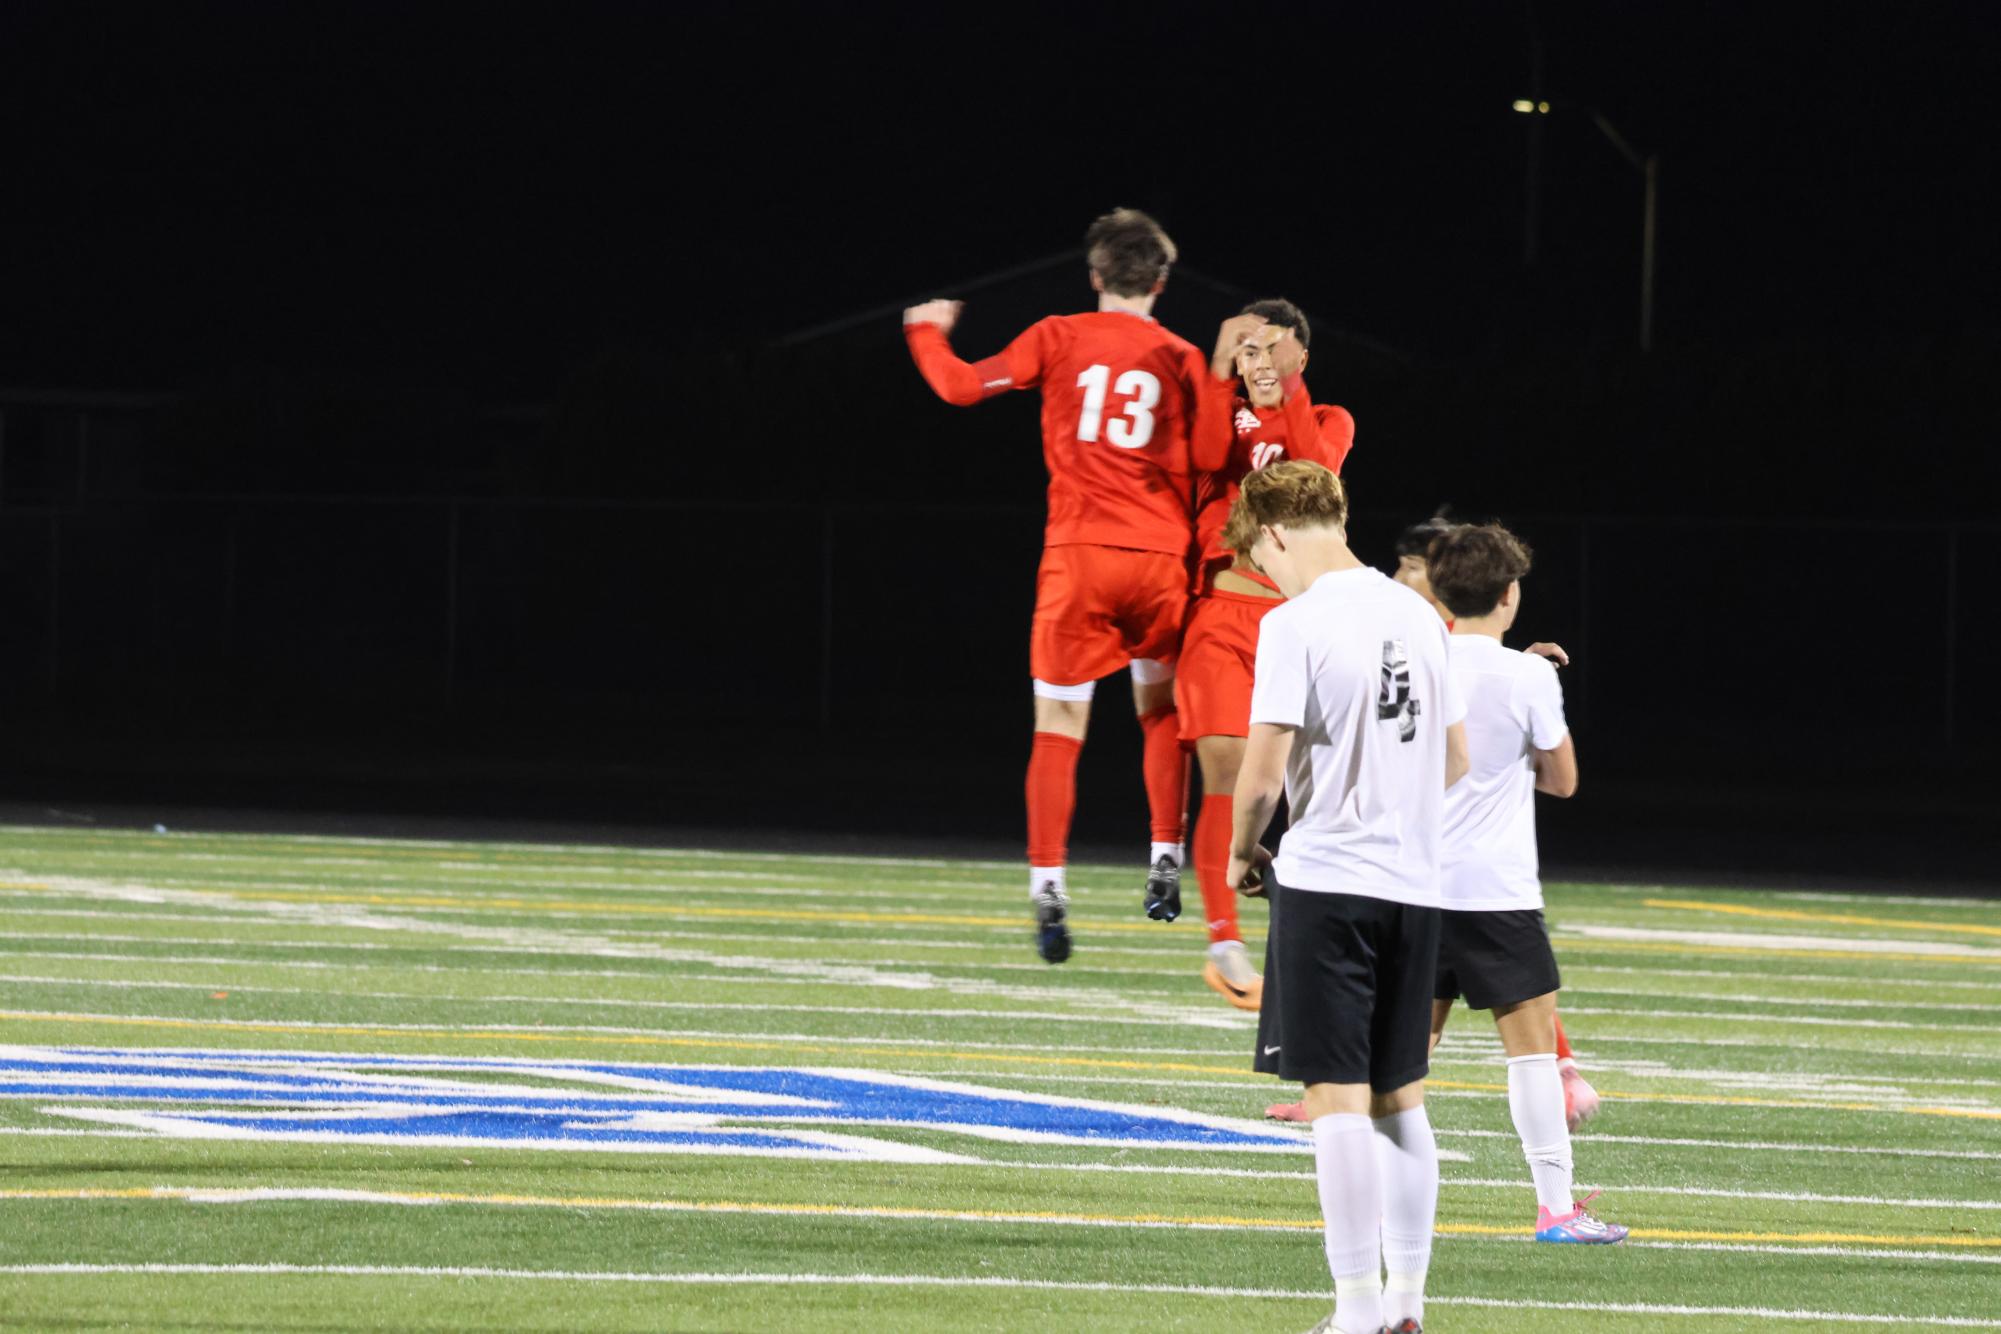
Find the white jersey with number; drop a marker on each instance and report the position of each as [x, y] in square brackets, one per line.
[1514, 707]
[1358, 664]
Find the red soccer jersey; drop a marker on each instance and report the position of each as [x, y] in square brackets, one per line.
[1300, 429]
[1120, 399]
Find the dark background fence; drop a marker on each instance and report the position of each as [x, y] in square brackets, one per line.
[1754, 694]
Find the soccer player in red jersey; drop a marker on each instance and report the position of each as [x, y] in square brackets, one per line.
[1271, 419]
[1120, 398]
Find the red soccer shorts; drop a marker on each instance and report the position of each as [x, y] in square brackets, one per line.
[1097, 608]
[1219, 653]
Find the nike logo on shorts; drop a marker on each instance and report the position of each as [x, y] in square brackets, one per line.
[1270, 1050]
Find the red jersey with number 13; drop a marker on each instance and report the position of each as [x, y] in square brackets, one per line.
[1120, 397]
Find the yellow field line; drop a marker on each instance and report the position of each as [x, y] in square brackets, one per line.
[1831, 918]
[647, 909]
[207, 1194]
[900, 1053]
[1569, 944]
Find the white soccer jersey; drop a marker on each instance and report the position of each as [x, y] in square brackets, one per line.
[1514, 707]
[1358, 664]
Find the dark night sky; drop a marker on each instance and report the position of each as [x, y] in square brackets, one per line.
[483, 194]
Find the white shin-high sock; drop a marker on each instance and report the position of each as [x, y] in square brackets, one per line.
[1408, 1155]
[1535, 1097]
[1351, 1203]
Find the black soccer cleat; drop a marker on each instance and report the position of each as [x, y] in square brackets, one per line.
[1163, 890]
[1052, 928]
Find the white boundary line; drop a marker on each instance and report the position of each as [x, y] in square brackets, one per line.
[972, 1281]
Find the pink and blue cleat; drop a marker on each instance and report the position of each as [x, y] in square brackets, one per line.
[1578, 1227]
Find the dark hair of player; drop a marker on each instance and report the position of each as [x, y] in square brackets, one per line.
[1277, 310]
[1129, 252]
[1416, 539]
[1471, 566]
[1296, 493]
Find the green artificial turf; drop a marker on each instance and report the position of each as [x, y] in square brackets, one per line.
[1802, 1102]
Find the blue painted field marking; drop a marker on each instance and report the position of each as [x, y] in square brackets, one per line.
[577, 1104]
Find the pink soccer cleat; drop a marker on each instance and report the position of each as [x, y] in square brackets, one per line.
[1580, 1100]
[1578, 1227]
[1286, 1111]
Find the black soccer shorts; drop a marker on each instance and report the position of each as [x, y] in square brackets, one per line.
[1353, 1005]
[1494, 958]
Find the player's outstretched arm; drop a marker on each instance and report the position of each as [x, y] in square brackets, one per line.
[1556, 770]
[927, 328]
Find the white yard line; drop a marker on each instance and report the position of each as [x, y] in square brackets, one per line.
[1889, 900]
[1739, 998]
[1815, 1021]
[1736, 1313]
[1747, 1146]
[1583, 933]
[719, 1035]
[601, 944]
[1188, 952]
[1093, 1018]
[1764, 972]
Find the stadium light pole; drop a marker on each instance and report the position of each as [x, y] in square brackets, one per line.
[1649, 167]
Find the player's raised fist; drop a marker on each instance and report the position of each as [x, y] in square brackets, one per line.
[941, 312]
[1236, 331]
[1554, 652]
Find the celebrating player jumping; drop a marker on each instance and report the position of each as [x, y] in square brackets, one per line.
[1120, 396]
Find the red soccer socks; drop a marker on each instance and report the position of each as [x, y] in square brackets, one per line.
[1052, 797]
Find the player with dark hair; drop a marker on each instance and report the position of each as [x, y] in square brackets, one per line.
[1355, 714]
[1413, 549]
[1272, 419]
[1493, 944]
[1120, 398]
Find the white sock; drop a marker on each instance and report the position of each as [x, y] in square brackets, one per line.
[1353, 1299]
[1038, 876]
[1158, 850]
[1535, 1097]
[1408, 1156]
[1351, 1203]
